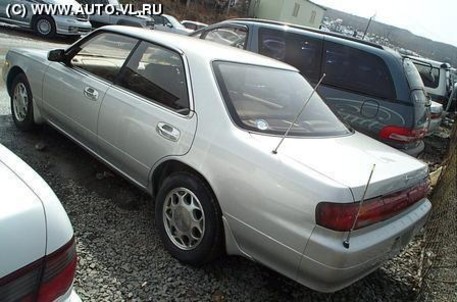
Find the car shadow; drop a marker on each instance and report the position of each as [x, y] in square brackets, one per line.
[120, 251]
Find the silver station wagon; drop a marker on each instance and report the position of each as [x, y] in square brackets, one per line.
[198, 126]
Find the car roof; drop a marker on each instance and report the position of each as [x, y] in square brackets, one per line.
[302, 27]
[429, 61]
[193, 47]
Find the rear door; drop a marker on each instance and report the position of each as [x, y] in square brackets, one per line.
[147, 115]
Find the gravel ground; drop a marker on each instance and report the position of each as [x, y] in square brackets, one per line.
[122, 259]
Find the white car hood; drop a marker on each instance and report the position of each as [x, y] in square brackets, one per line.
[349, 160]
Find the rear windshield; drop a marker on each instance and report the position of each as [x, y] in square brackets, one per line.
[267, 100]
[412, 75]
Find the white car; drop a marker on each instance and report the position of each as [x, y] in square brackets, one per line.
[170, 24]
[48, 25]
[37, 246]
[193, 25]
[198, 126]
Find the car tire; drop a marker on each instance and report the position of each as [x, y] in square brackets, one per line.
[45, 27]
[188, 218]
[22, 103]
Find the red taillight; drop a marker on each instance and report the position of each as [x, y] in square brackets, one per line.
[402, 134]
[43, 280]
[22, 285]
[341, 216]
[58, 274]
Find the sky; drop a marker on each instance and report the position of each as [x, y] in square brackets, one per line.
[433, 19]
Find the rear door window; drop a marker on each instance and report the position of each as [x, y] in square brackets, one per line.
[157, 74]
[300, 51]
[357, 70]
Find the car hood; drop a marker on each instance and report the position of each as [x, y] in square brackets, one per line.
[22, 218]
[349, 160]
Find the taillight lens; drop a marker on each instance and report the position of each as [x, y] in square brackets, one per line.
[59, 271]
[402, 134]
[341, 216]
[43, 280]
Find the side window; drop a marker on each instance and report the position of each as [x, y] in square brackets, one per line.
[357, 70]
[430, 75]
[159, 20]
[157, 74]
[232, 36]
[300, 51]
[104, 54]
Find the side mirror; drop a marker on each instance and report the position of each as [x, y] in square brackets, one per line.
[169, 25]
[56, 55]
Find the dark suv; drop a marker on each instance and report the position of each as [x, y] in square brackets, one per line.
[372, 88]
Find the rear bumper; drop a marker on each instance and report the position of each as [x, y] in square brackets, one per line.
[327, 266]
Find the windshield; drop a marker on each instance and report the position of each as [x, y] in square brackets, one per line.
[430, 75]
[267, 100]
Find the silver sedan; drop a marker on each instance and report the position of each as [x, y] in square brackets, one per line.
[198, 126]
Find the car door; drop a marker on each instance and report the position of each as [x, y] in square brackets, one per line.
[3, 6]
[73, 91]
[147, 115]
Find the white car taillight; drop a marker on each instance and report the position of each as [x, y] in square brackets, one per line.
[43, 280]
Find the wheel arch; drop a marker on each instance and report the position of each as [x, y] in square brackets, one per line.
[12, 74]
[36, 17]
[171, 166]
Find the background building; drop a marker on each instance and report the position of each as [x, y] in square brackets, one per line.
[302, 12]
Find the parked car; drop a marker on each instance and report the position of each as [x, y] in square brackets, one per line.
[38, 256]
[169, 23]
[436, 117]
[193, 25]
[195, 124]
[47, 25]
[436, 77]
[370, 87]
[118, 18]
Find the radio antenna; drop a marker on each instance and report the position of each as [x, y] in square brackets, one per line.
[275, 151]
[346, 242]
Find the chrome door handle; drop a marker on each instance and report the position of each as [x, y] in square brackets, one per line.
[91, 93]
[168, 132]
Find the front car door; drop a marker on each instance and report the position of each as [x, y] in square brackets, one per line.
[147, 115]
[73, 91]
